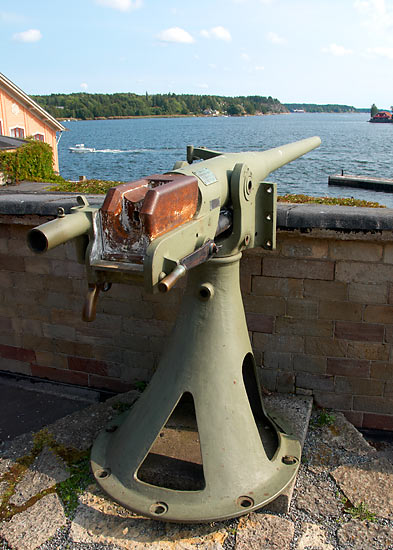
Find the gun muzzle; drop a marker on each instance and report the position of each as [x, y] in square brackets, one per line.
[58, 231]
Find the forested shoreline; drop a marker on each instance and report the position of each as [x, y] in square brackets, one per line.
[91, 106]
[87, 106]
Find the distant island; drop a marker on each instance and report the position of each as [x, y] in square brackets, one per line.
[326, 108]
[85, 106]
[92, 106]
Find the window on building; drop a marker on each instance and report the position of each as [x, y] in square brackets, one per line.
[18, 132]
[39, 137]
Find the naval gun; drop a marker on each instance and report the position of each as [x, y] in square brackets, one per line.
[195, 219]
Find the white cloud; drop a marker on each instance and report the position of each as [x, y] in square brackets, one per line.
[378, 14]
[259, 68]
[381, 52]
[203, 85]
[84, 85]
[220, 33]
[121, 5]
[335, 49]
[245, 56]
[274, 38]
[32, 35]
[175, 34]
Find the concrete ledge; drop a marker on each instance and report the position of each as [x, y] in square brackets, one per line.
[338, 218]
[22, 200]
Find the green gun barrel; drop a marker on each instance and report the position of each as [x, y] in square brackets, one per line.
[58, 231]
[261, 163]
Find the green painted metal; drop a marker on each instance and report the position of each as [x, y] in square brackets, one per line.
[247, 458]
[205, 357]
[64, 228]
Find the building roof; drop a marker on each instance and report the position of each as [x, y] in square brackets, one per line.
[7, 142]
[29, 103]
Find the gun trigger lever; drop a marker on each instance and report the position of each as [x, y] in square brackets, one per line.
[90, 305]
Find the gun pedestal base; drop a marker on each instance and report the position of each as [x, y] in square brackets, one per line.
[237, 459]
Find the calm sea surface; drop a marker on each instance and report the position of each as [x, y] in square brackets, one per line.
[133, 148]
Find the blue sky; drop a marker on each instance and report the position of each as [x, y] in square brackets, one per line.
[317, 51]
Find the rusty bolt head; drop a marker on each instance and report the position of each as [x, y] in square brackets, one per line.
[289, 460]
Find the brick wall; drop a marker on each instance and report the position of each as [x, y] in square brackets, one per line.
[319, 310]
[42, 334]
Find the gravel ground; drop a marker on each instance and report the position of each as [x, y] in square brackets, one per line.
[317, 497]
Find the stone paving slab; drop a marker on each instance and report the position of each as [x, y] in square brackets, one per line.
[313, 537]
[308, 499]
[267, 532]
[99, 520]
[31, 528]
[358, 535]
[45, 472]
[370, 483]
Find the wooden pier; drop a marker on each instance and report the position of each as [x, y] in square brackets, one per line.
[363, 182]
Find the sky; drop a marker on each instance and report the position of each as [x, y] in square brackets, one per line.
[298, 51]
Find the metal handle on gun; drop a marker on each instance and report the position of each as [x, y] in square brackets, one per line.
[197, 257]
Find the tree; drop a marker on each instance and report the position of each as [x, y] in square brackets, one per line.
[235, 109]
[374, 110]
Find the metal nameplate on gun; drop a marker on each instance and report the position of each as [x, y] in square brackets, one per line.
[205, 175]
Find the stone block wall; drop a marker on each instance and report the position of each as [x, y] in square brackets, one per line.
[319, 310]
[42, 333]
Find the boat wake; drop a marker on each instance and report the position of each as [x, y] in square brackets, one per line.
[80, 148]
[117, 151]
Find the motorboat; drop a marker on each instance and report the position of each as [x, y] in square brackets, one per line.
[80, 148]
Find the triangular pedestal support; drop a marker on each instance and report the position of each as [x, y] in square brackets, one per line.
[209, 356]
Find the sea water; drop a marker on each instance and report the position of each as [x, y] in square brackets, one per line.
[129, 149]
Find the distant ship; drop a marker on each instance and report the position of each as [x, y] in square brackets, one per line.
[298, 111]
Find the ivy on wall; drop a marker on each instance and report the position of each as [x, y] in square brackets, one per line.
[33, 161]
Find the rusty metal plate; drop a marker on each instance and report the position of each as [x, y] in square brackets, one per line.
[135, 213]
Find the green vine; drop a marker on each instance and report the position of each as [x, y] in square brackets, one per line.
[32, 161]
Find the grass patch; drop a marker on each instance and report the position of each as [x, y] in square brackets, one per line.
[141, 385]
[121, 407]
[93, 186]
[70, 489]
[338, 201]
[359, 511]
[325, 418]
